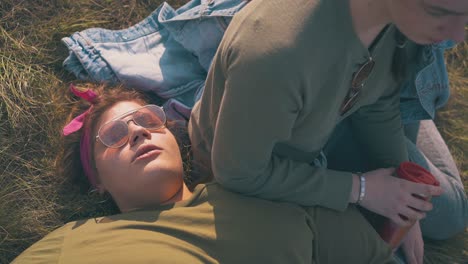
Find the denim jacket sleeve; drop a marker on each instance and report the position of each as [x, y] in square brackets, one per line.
[199, 25]
[167, 53]
[427, 87]
[145, 57]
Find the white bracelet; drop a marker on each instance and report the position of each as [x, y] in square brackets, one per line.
[362, 187]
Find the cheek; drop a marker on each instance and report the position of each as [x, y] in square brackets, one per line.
[456, 24]
[416, 26]
[108, 163]
[408, 16]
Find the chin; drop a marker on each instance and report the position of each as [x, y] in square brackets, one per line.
[415, 36]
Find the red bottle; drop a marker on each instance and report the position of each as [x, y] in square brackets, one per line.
[392, 233]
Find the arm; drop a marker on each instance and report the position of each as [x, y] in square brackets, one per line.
[380, 131]
[261, 101]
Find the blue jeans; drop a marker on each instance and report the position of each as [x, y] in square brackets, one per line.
[427, 148]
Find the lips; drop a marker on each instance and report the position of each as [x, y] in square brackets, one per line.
[146, 150]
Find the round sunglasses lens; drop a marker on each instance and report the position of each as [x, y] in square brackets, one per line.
[114, 134]
[150, 117]
[362, 74]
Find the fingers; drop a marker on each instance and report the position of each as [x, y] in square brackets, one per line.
[412, 214]
[419, 204]
[411, 258]
[424, 190]
[399, 196]
[413, 208]
[400, 221]
[408, 250]
[414, 252]
[419, 255]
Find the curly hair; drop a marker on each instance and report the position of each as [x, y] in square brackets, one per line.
[69, 162]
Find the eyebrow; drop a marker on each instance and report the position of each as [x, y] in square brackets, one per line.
[443, 10]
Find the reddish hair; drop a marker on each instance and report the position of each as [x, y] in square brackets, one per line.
[70, 164]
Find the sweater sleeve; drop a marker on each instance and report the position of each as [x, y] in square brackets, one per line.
[380, 131]
[261, 100]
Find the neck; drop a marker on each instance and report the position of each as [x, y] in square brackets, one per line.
[369, 18]
[183, 194]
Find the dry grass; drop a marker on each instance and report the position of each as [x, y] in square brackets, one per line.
[452, 122]
[453, 119]
[35, 200]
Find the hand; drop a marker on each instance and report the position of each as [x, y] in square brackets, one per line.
[394, 198]
[413, 245]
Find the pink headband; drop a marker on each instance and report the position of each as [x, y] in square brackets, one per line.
[85, 143]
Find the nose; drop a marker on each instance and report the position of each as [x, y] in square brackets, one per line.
[137, 133]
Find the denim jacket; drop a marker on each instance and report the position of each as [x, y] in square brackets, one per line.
[427, 87]
[170, 52]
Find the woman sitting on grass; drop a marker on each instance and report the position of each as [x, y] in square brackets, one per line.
[126, 147]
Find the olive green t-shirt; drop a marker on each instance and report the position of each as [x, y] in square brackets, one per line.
[273, 96]
[214, 226]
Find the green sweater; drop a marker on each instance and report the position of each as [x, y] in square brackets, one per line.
[273, 95]
[215, 226]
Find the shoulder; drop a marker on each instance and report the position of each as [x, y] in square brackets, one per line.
[48, 249]
[268, 31]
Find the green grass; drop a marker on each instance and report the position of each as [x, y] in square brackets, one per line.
[34, 198]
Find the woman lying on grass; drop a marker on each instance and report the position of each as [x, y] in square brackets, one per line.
[126, 147]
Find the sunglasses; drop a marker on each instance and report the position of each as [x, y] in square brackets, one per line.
[358, 81]
[114, 134]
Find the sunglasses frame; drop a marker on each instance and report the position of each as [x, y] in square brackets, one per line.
[356, 85]
[116, 119]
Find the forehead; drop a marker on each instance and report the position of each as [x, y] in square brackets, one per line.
[116, 110]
